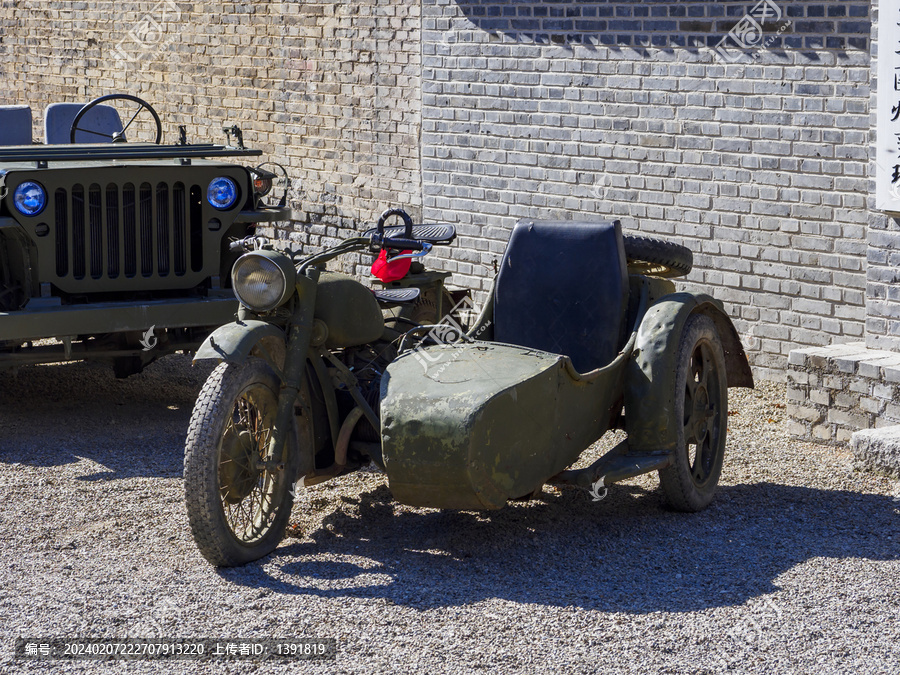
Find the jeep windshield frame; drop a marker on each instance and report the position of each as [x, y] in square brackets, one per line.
[95, 151]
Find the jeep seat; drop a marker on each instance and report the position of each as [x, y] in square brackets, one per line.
[563, 288]
[58, 118]
[15, 125]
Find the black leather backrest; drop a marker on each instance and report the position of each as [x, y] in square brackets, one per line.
[563, 288]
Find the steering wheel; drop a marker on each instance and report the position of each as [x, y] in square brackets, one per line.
[118, 136]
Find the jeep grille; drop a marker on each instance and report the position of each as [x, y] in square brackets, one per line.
[146, 230]
[101, 232]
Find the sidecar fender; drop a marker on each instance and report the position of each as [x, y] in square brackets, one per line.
[650, 374]
[234, 342]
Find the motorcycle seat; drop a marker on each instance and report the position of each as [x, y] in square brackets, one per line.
[437, 234]
[563, 288]
[396, 296]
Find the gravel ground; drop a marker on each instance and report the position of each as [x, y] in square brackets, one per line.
[795, 567]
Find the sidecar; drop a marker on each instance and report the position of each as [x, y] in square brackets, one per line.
[579, 336]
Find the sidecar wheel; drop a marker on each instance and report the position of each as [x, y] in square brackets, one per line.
[238, 510]
[701, 417]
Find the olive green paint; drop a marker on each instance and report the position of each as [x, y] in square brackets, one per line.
[650, 375]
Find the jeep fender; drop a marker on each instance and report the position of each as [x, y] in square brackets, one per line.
[650, 374]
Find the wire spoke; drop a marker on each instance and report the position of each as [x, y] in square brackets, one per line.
[95, 133]
[125, 128]
[250, 425]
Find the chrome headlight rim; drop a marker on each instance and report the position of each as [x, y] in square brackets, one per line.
[272, 272]
[18, 198]
[214, 187]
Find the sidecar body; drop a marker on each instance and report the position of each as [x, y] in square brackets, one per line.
[567, 340]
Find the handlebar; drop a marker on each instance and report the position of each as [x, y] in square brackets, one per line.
[406, 243]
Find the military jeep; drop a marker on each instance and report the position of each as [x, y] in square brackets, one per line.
[119, 250]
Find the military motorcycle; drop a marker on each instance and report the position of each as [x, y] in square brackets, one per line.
[583, 332]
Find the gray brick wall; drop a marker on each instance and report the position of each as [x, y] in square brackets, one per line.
[529, 109]
[883, 284]
[610, 109]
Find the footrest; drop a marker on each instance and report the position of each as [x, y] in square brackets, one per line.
[396, 296]
[435, 234]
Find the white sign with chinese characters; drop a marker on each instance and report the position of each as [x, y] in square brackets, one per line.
[887, 124]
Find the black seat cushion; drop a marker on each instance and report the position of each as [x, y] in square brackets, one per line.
[563, 288]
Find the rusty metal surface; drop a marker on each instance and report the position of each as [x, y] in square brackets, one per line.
[233, 342]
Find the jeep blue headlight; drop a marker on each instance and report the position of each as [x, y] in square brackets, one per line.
[30, 198]
[222, 192]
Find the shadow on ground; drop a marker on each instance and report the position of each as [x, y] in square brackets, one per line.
[59, 414]
[627, 554]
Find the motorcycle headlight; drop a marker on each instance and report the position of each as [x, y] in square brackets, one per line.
[222, 192]
[30, 198]
[263, 280]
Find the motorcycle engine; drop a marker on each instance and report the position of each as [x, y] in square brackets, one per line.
[368, 364]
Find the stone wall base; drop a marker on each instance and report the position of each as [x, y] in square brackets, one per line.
[837, 390]
[877, 450]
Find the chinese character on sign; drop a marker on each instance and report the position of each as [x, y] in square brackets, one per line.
[887, 117]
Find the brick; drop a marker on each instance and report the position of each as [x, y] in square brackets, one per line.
[797, 376]
[871, 405]
[833, 382]
[795, 394]
[797, 357]
[801, 412]
[822, 432]
[797, 429]
[820, 397]
[843, 435]
[846, 399]
[883, 391]
[861, 385]
[849, 419]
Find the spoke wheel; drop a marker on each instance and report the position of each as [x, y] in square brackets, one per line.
[701, 415]
[238, 504]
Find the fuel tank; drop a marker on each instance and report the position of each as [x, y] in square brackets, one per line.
[349, 309]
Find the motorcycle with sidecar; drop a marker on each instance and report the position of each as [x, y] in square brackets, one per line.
[583, 332]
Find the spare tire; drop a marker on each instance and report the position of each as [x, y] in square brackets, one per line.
[657, 257]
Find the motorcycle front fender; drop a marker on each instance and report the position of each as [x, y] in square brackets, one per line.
[235, 342]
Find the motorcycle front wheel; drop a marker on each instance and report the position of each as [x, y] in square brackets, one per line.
[237, 506]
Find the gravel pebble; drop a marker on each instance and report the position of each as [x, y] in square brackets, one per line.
[794, 568]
